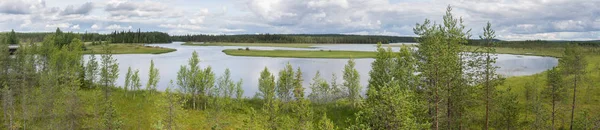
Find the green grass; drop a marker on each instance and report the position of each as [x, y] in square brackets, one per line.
[301, 54]
[588, 96]
[129, 49]
[291, 45]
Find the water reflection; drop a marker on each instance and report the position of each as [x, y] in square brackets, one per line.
[248, 68]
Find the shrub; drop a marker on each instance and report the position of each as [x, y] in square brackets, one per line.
[247, 49]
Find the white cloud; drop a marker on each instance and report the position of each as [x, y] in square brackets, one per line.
[512, 19]
[95, 27]
[58, 25]
[82, 10]
[118, 27]
[75, 27]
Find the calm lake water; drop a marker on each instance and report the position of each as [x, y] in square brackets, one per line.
[249, 68]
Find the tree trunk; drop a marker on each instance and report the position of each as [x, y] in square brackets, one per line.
[574, 97]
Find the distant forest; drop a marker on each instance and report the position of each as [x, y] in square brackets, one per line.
[294, 38]
[114, 37]
[161, 37]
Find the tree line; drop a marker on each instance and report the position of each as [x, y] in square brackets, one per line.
[50, 86]
[115, 37]
[294, 38]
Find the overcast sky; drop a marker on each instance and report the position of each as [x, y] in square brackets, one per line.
[512, 19]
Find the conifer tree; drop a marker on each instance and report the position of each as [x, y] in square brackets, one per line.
[12, 38]
[301, 107]
[508, 111]
[91, 70]
[574, 65]
[109, 72]
[441, 66]
[489, 76]
[555, 91]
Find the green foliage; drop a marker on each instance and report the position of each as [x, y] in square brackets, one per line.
[574, 65]
[266, 87]
[555, 91]
[440, 63]
[91, 71]
[109, 69]
[325, 123]
[323, 92]
[352, 82]
[285, 83]
[127, 83]
[153, 77]
[12, 38]
[508, 111]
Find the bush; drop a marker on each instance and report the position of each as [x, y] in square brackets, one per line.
[321, 50]
[247, 49]
[329, 50]
[240, 49]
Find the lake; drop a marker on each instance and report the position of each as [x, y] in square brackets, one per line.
[249, 68]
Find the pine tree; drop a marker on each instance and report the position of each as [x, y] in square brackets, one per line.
[91, 71]
[12, 38]
[442, 68]
[301, 107]
[352, 82]
[109, 72]
[489, 76]
[575, 65]
[555, 91]
[508, 112]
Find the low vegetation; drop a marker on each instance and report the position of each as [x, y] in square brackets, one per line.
[128, 49]
[291, 45]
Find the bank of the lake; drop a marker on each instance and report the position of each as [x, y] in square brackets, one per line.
[301, 53]
[291, 45]
[128, 49]
[322, 53]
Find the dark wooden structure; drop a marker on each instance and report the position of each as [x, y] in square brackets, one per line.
[12, 48]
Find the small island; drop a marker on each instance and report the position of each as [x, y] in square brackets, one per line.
[301, 53]
[128, 49]
[290, 45]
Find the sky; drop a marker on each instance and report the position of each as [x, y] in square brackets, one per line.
[511, 19]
